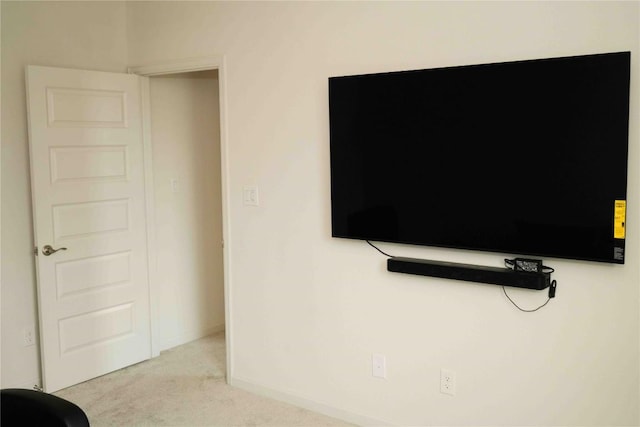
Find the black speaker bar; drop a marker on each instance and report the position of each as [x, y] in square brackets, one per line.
[470, 273]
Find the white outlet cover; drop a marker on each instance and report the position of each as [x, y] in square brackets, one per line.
[29, 337]
[447, 382]
[175, 185]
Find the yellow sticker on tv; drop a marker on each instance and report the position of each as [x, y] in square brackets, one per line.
[619, 218]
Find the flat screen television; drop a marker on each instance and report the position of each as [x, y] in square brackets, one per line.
[525, 157]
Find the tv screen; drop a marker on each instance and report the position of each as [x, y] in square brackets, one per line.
[525, 157]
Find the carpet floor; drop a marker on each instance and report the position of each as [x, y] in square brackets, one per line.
[184, 386]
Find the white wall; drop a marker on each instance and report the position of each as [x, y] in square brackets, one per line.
[308, 310]
[63, 34]
[186, 149]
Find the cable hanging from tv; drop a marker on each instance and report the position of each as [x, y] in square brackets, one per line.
[533, 266]
[518, 272]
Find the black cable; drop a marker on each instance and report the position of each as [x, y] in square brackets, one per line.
[378, 249]
[511, 264]
[522, 309]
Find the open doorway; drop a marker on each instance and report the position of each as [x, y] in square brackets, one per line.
[213, 79]
[185, 129]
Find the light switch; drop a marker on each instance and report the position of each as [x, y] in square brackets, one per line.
[250, 195]
[379, 366]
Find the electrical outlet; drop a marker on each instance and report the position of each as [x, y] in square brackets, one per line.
[447, 382]
[379, 366]
[28, 336]
[175, 185]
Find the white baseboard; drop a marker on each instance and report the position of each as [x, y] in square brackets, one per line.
[189, 336]
[305, 403]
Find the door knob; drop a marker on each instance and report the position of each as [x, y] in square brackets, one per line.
[48, 250]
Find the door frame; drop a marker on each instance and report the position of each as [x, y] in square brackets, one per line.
[187, 65]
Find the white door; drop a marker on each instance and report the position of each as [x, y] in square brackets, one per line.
[87, 179]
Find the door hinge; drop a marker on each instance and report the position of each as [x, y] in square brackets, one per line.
[35, 251]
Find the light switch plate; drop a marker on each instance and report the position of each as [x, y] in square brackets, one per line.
[250, 195]
[379, 366]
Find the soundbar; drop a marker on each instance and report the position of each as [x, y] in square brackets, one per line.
[470, 273]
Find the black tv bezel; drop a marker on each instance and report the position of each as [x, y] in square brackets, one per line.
[547, 254]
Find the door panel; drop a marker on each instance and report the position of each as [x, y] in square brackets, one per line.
[81, 107]
[93, 164]
[87, 168]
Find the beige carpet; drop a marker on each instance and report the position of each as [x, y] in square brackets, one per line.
[184, 386]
